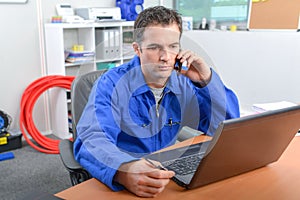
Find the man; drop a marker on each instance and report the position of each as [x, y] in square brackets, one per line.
[139, 107]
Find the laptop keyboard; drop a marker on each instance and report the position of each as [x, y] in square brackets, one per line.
[184, 165]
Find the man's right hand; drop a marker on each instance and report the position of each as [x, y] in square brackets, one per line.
[143, 179]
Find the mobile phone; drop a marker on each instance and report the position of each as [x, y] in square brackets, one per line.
[178, 65]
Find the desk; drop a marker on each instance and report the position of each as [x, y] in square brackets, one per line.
[277, 181]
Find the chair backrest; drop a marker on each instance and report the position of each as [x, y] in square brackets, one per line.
[80, 91]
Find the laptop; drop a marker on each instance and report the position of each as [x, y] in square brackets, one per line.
[239, 145]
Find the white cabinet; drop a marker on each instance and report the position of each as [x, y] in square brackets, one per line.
[105, 40]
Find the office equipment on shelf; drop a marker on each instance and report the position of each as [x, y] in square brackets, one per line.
[239, 145]
[56, 19]
[79, 56]
[100, 14]
[66, 11]
[108, 43]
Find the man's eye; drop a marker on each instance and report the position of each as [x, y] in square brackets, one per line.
[153, 48]
[174, 47]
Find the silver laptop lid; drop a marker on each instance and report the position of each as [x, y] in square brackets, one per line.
[244, 144]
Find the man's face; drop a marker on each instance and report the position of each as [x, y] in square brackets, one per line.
[158, 52]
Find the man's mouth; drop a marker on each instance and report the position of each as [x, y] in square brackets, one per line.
[164, 67]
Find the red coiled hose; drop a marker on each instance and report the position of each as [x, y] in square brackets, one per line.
[29, 98]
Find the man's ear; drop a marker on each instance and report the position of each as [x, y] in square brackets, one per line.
[136, 48]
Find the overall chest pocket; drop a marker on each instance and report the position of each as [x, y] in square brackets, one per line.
[172, 122]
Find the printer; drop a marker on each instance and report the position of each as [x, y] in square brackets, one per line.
[99, 14]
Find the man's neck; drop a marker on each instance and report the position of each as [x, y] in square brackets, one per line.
[156, 85]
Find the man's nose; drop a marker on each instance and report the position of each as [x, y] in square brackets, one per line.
[165, 54]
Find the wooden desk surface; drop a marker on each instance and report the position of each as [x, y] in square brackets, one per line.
[277, 181]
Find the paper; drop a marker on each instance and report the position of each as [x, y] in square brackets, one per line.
[262, 107]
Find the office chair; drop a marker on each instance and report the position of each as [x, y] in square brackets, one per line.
[80, 90]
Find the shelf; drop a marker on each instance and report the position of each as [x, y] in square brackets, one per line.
[59, 37]
[78, 63]
[108, 60]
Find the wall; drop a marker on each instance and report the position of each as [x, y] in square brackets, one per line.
[22, 56]
[259, 66]
[20, 61]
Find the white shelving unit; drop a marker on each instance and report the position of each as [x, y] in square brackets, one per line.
[61, 37]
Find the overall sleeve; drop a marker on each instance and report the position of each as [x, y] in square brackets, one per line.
[217, 102]
[95, 147]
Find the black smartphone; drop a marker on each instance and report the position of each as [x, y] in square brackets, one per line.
[178, 65]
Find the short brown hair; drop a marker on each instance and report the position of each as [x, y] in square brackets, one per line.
[155, 15]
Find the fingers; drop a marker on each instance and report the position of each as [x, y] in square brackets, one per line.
[189, 57]
[148, 191]
[152, 186]
[143, 178]
[197, 69]
[160, 174]
[157, 170]
[144, 185]
[153, 182]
